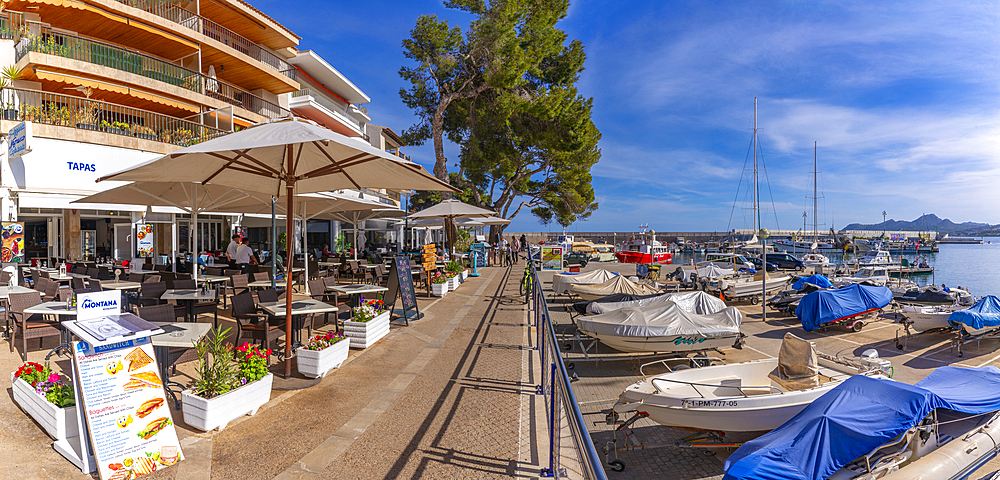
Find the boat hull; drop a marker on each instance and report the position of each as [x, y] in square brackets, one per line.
[639, 257]
[667, 344]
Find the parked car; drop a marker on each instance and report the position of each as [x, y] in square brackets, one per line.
[756, 263]
[576, 258]
[785, 260]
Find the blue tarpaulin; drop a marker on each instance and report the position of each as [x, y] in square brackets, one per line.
[825, 306]
[818, 280]
[855, 417]
[985, 313]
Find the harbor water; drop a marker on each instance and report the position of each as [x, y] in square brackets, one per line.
[975, 268]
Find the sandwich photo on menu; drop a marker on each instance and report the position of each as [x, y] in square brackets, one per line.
[137, 359]
[148, 406]
[142, 380]
[154, 427]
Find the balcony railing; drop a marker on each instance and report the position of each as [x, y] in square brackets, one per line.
[211, 29]
[42, 39]
[330, 104]
[76, 112]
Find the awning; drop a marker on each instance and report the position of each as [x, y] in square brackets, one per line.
[115, 88]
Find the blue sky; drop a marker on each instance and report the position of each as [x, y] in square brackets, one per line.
[903, 99]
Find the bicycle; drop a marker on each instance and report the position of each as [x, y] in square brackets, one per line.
[526, 283]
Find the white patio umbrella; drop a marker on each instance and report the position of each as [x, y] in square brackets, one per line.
[287, 154]
[449, 210]
[193, 198]
[359, 217]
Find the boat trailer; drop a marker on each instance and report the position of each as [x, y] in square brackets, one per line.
[706, 441]
[963, 338]
[853, 322]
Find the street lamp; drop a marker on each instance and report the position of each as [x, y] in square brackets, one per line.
[883, 225]
[763, 234]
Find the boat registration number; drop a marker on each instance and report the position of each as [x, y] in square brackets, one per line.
[710, 403]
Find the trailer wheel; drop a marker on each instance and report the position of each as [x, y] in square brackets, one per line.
[899, 346]
[570, 365]
[857, 326]
[754, 300]
[710, 453]
[617, 465]
[961, 354]
[568, 346]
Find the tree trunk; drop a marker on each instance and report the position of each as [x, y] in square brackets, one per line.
[440, 162]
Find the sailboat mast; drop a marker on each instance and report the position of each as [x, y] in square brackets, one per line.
[756, 193]
[815, 196]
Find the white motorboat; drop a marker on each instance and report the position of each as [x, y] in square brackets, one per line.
[664, 328]
[876, 257]
[617, 284]
[758, 395]
[695, 302]
[924, 318]
[562, 281]
[742, 287]
[961, 446]
[816, 260]
[870, 275]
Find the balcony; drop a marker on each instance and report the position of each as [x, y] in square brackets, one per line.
[84, 114]
[332, 113]
[193, 21]
[50, 42]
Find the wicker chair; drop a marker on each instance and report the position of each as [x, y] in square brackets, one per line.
[252, 324]
[317, 288]
[136, 277]
[4, 277]
[29, 326]
[77, 283]
[150, 292]
[185, 285]
[94, 284]
[152, 278]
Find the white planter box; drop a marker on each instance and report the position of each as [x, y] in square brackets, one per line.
[59, 423]
[465, 274]
[315, 363]
[208, 414]
[439, 289]
[365, 334]
[453, 283]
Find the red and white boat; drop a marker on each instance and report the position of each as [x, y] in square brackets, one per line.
[645, 249]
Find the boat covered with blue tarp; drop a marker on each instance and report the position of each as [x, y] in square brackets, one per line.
[818, 280]
[985, 313]
[856, 417]
[825, 306]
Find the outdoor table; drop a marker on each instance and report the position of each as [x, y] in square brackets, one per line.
[212, 279]
[265, 284]
[6, 291]
[354, 290]
[300, 308]
[329, 264]
[189, 297]
[175, 335]
[60, 310]
[67, 278]
[120, 285]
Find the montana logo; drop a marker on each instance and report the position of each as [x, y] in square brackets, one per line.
[88, 303]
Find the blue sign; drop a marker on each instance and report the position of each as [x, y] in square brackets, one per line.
[19, 140]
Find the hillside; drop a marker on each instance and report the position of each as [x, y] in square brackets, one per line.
[927, 222]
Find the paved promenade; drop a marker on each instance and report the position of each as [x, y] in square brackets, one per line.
[447, 397]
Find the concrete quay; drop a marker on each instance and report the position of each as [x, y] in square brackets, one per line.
[449, 396]
[602, 381]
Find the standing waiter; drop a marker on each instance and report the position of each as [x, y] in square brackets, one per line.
[231, 250]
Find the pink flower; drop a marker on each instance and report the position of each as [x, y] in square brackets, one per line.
[54, 377]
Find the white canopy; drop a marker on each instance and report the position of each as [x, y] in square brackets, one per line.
[708, 271]
[617, 284]
[695, 302]
[665, 320]
[562, 281]
[452, 208]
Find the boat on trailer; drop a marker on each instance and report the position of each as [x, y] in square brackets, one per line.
[978, 322]
[663, 328]
[758, 395]
[943, 428]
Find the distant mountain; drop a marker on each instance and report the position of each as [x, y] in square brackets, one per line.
[928, 222]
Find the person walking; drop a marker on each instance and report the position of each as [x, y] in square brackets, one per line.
[515, 248]
[524, 246]
[244, 256]
[231, 250]
[504, 254]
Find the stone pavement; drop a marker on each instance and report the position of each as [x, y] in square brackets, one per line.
[450, 396]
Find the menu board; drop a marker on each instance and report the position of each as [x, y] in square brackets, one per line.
[401, 281]
[131, 430]
[12, 248]
[552, 257]
[478, 251]
[144, 240]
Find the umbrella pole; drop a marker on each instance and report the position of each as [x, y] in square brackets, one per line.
[274, 245]
[195, 256]
[305, 247]
[289, 232]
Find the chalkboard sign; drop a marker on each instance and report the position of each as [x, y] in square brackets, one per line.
[401, 281]
[478, 257]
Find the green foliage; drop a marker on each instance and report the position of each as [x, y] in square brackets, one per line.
[215, 370]
[252, 362]
[8, 74]
[342, 242]
[504, 91]
[61, 395]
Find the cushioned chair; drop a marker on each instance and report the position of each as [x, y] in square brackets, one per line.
[252, 324]
[150, 292]
[165, 313]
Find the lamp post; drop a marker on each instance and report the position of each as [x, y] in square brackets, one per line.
[883, 225]
[763, 234]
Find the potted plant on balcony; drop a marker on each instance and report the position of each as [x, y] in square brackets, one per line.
[321, 354]
[439, 285]
[7, 76]
[86, 118]
[369, 323]
[225, 390]
[121, 128]
[143, 131]
[47, 398]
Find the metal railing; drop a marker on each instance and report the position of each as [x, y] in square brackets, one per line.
[334, 106]
[193, 21]
[560, 402]
[43, 39]
[65, 110]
